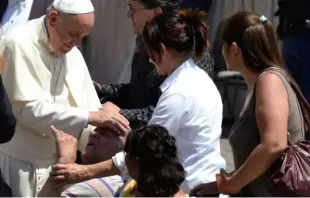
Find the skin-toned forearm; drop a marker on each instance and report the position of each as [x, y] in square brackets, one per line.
[102, 169]
[257, 163]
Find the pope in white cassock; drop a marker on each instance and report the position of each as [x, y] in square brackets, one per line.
[48, 83]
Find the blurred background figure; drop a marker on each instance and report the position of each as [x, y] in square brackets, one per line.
[294, 31]
[109, 47]
[15, 12]
[196, 4]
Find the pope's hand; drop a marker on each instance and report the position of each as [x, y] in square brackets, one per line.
[64, 174]
[111, 107]
[66, 146]
[110, 119]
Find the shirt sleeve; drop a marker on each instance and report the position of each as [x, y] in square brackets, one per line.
[143, 114]
[170, 112]
[40, 115]
[119, 162]
[81, 190]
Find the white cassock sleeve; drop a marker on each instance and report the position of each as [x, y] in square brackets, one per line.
[40, 115]
[169, 113]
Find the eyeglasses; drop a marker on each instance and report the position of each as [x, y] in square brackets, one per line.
[133, 12]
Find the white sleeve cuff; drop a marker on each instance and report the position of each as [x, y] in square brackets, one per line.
[119, 162]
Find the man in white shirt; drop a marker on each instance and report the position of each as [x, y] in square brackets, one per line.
[16, 12]
[48, 83]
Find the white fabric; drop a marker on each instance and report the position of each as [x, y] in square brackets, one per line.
[190, 107]
[44, 90]
[74, 6]
[17, 13]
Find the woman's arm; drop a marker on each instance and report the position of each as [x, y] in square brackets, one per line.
[272, 111]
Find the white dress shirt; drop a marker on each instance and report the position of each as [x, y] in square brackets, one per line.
[17, 12]
[190, 107]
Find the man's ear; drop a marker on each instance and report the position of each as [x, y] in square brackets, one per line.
[158, 11]
[53, 17]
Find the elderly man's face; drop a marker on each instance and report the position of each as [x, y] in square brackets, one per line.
[102, 145]
[67, 31]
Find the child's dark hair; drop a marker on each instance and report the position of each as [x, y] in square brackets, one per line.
[185, 32]
[156, 153]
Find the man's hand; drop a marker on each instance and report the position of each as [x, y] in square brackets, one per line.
[66, 146]
[111, 107]
[110, 119]
[64, 174]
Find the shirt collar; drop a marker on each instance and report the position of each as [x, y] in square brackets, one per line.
[13, 2]
[172, 78]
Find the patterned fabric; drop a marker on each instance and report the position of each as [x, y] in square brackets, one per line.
[138, 99]
[129, 189]
[99, 187]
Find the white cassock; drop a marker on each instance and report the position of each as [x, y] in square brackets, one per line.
[44, 90]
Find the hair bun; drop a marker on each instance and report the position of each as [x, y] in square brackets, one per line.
[192, 17]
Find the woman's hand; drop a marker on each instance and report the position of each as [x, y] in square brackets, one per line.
[205, 189]
[226, 185]
[64, 174]
[111, 119]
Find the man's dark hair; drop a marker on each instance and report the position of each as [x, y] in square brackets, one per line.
[165, 5]
[161, 173]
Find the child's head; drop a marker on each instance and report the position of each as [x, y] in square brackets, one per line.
[151, 160]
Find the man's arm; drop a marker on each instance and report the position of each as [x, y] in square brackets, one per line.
[113, 92]
[143, 114]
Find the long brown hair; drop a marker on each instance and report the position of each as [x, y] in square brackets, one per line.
[258, 43]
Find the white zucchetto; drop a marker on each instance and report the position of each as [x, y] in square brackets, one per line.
[74, 6]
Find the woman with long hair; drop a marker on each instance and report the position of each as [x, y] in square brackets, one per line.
[274, 105]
